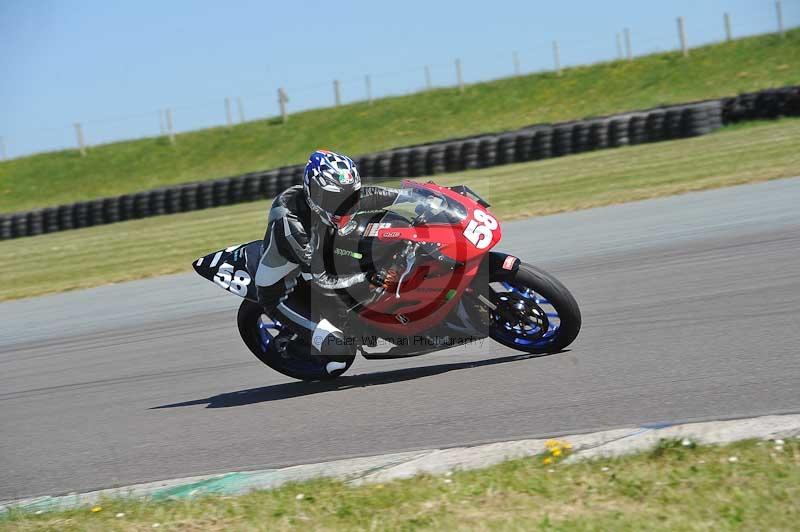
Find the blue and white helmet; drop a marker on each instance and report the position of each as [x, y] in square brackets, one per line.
[332, 185]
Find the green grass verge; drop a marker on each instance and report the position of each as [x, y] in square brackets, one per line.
[712, 71]
[167, 244]
[673, 487]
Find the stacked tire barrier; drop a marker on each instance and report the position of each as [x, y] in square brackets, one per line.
[540, 141]
[763, 105]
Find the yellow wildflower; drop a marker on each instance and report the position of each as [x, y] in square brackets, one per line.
[547, 460]
[96, 509]
[556, 452]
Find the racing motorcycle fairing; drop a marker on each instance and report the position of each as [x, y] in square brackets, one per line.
[457, 231]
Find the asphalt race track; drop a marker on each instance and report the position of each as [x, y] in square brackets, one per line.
[691, 309]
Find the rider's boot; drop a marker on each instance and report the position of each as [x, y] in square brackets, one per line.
[330, 341]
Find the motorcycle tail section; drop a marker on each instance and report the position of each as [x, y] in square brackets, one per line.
[232, 269]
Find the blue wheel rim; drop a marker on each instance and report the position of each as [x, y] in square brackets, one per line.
[515, 334]
[267, 345]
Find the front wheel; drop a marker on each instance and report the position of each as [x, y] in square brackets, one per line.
[533, 312]
[264, 336]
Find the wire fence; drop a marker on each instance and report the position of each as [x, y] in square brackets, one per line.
[279, 102]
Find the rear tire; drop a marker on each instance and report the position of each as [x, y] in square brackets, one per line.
[556, 295]
[307, 368]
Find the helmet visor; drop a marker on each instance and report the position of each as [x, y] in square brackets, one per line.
[340, 204]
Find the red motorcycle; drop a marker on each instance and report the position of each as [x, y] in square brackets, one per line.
[450, 287]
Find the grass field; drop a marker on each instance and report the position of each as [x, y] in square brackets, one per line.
[712, 71]
[167, 244]
[744, 486]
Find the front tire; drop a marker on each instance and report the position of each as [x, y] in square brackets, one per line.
[259, 333]
[534, 313]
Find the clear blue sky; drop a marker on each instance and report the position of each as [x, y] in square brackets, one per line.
[112, 65]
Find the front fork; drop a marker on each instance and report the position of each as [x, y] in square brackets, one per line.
[497, 267]
[500, 267]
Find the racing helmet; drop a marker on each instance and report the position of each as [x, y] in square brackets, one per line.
[332, 186]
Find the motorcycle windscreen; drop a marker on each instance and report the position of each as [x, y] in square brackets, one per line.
[232, 269]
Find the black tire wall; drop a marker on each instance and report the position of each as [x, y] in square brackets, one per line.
[534, 142]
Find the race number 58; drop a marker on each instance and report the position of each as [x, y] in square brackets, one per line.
[479, 230]
[235, 282]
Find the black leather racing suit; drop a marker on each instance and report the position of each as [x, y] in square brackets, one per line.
[298, 244]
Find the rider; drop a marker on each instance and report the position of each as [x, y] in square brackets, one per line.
[303, 221]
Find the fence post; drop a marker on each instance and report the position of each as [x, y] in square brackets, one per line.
[282, 99]
[337, 97]
[228, 115]
[458, 76]
[515, 58]
[170, 130]
[428, 84]
[682, 37]
[728, 36]
[557, 58]
[240, 108]
[619, 47]
[779, 13]
[79, 137]
[2, 148]
[628, 50]
[368, 86]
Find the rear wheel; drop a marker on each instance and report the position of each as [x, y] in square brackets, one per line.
[272, 343]
[534, 312]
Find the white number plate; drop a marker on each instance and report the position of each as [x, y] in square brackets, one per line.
[479, 230]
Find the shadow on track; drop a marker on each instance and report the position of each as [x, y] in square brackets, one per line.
[289, 390]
